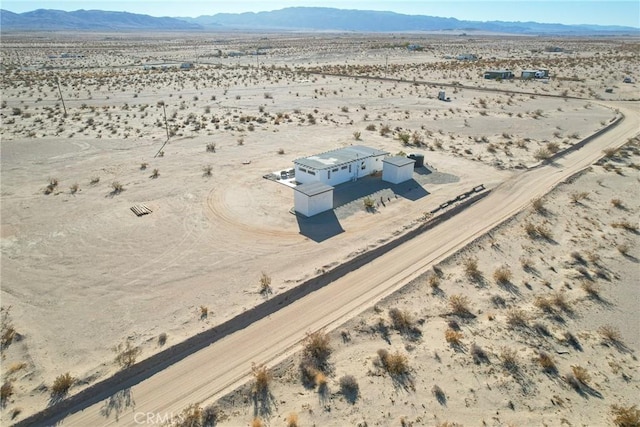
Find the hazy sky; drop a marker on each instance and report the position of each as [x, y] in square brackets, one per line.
[603, 12]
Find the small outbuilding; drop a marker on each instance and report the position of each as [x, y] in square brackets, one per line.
[313, 198]
[397, 169]
[498, 74]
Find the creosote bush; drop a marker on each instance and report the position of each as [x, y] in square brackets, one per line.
[126, 354]
[401, 319]
[317, 347]
[262, 378]
[394, 363]
[62, 384]
[265, 284]
[6, 391]
[459, 304]
[626, 416]
[502, 275]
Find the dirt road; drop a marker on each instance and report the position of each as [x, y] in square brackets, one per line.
[221, 367]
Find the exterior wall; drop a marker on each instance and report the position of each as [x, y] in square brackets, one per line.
[339, 174]
[310, 206]
[305, 175]
[301, 203]
[396, 175]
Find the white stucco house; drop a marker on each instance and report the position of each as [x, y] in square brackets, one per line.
[313, 198]
[341, 165]
[397, 169]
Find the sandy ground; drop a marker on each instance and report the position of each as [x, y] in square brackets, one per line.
[81, 274]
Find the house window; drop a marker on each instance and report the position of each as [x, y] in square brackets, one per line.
[343, 168]
[334, 170]
[363, 165]
[349, 168]
[311, 172]
[328, 174]
[302, 169]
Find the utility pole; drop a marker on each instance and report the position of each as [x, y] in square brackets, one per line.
[61, 98]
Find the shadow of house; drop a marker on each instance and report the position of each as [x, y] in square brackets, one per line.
[319, 227]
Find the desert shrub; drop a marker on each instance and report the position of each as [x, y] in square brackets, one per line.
[623, 248]
[542, 154]
[559, 299]
[434, 281]
[544, 304]
[610, 153]
[544, 232]
[117, 187]
[356, 135]
[6, 391]
[625, 416]
[578, 196]
[610, 334]
[265, 284]
[626, 225]
[502, 275]
[211, 414]
[126, 354]
[471, 268]
[453, 337]
[155, 173]
[371, 127]
[400, 319]
[73, 189]
[206, 170]
[580, 374]
[404, 137]
[349, 387]
[317, 347]
[538, 205]
[162, 339]
[257, 422]
[211, 147]
[94, 180]
[262, 378]
[281, 151]
[51, 186]
[394, 363]
[191, 416]
[516, 318]
[385, 130]
[369, 203]
[292, 420]
[617, 203]
[143, 166]
[509, 358]
[204, 311]
[62, 384]
[546, 362]
[459, 304]
[591, 289]
[479, 354]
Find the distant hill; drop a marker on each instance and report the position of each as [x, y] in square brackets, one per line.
[291, 18]
[321, 18]
[48, 19]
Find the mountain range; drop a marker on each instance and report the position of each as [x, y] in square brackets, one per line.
[289, 19]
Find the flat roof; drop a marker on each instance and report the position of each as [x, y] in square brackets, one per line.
[313, 188]
[340, 156]
[398, 161]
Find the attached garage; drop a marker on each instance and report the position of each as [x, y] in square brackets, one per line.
[313, 198]
[397, 169]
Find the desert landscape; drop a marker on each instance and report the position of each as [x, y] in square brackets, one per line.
[529, 322]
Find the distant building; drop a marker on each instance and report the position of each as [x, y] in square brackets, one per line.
[498, 74]
[186, 65]
[467, 57]
[337, 166]
[414, 47]
[534, 74]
